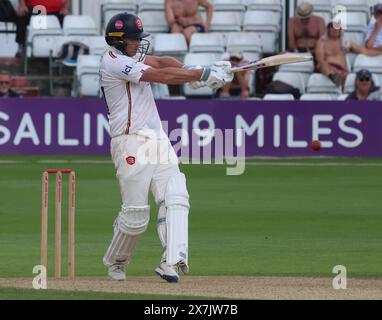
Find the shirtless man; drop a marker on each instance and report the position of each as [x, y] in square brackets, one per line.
[305, 29]
[331, 56]
[183, 16]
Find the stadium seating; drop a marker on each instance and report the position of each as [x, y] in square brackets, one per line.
[207, 42]
[266, 25]
[356, 25]
[342, 97]
[87, 75]
[319, 83]
[42, 39]
[267, 5]
[356, 22]
[360, 6]
[61, 40]
[372, 3]
[294, 79]
[225, 21]
[318, 97]
[121, 5]
[261, 21]
[350, 57]
[252, 26]
[245, 41]
[79, 25]
[229, 5]
[154, 21]
[357, 37]
[150, 5]
[278, 97]
[160, 91]
[374, 64]
[271, 5]
[199, 59]
[97, 45]
[305, 67]
[251, 56]
[170, 43]
[8, 39]
[109, 8]
[327, 16]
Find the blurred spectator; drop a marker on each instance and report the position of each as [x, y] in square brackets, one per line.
[183, 16]
[365, 88]
[305, 29]
[5, 86]
[59, 8]
[373, 45]
[374, 32]
[331, 55]
[240, 82]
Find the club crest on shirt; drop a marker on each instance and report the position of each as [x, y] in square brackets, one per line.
[130, 160]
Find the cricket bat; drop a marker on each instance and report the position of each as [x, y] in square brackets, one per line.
[273, 61]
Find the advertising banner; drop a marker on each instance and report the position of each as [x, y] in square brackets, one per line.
[251, 128]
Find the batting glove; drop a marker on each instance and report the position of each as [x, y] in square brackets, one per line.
[217, 75]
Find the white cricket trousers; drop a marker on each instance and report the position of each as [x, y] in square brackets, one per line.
[143, 164]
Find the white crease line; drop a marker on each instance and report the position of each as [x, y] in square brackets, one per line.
[76, 161]
[254, 164]
[52, 161]
[10, 162]
[92, 161]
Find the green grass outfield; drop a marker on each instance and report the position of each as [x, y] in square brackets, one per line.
[281, 217]
[31, 294]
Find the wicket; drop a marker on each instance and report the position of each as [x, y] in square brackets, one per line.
[58, 207]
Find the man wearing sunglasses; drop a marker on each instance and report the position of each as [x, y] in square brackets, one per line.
[365, 88]
[5, 86]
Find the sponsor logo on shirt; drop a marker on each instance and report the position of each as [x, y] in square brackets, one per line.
[127, 70]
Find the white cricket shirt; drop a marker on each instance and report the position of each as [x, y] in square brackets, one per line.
[130, 102]
[378, 40]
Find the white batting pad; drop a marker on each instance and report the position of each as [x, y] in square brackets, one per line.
[161, 224]
[177, 204]
[129, 225]
[133, 220]
[177, 235]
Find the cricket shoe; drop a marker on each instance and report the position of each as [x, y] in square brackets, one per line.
[183, 267]
[167, 272]
[117, 272]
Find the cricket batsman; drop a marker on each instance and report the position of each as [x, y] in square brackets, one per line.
[125, 75]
